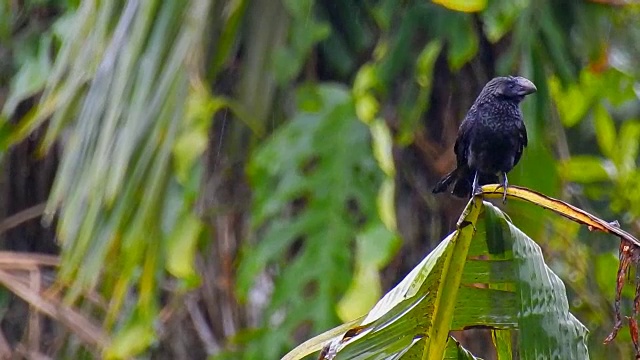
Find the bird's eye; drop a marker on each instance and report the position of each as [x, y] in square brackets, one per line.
[511, 85]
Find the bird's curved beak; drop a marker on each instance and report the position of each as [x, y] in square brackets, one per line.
[526, 87]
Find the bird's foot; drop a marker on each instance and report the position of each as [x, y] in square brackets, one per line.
[504, 192]
[504, 185]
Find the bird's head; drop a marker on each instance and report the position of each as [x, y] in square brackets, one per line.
[513, 88]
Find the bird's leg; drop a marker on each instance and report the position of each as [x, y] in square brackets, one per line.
[475, 188]
[505, 185]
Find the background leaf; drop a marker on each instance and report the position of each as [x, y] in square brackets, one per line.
[585, 169]
[301, 173]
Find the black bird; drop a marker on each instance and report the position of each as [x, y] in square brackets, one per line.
[491, 137]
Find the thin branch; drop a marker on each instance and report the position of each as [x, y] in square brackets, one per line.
[201, 326]
[32, 355]
[26, 261]
[34, 332]
[77, 322]
[21, 217]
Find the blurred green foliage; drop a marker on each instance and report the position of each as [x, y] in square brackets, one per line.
[321, 163]
[332, 97]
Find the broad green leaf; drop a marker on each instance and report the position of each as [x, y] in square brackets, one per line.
[453, 351]
[502, 342]
[456, 351]
[504, 284]
[586, 169]
[490, 307]
[315, 344]
[546, 328]
[422, 304]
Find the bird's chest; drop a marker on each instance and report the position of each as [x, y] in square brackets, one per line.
[494, 141]
[497, 125]
[494, 133]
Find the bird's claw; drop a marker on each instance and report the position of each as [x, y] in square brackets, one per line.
[504, 192]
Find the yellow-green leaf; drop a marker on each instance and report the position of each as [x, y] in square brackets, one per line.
[605, 130]
[586, 169]
[362, 294]
[131, 341]
[181, 247]
[572, 101]
[463, 5]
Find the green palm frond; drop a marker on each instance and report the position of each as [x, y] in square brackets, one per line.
[126, 101]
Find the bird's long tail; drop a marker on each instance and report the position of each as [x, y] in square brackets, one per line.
[462, 180]
[446, 181]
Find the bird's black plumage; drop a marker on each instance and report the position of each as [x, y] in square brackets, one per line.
[491, 137]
